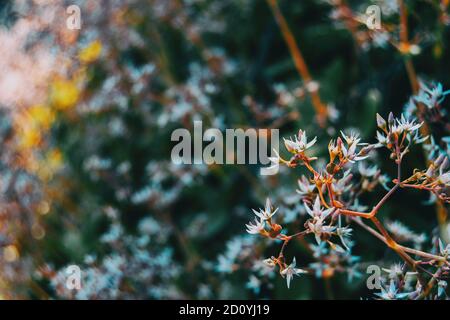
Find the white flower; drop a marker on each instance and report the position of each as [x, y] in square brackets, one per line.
[342, 233]
[269, 262]
[445, 178]
[254, 284]
[380, 39]
[382, 139]
[367, 171]
[276, 159]
[392, 293]
[442, 285]
[305, 187]
[414, 49]
[344, 184]
[403, 233]
[317, 210]
[274, 162]
[255, 228]
[396, 271]
[431, 96]
[291, 271]
[417, 138]
[406, 125]
[351, 139]
[381, 123]
[300, 143]
[316, 225]
[312, 86]
[225, 264]
[410, 107]
[262, 269]
[267, 212]
[333, 113]
[349, 152]
[441, 176]
[396, 127]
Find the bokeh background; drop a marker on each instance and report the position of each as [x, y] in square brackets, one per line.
[86, 118]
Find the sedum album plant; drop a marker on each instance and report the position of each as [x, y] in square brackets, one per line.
[85, 170]
[331, 198]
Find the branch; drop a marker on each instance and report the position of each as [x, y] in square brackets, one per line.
[299, 61]
[376, 208]
[422, 254]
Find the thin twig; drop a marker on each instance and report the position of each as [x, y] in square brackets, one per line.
[299, 61]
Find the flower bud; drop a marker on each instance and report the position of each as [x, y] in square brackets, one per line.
[381, 123]
[391, 120]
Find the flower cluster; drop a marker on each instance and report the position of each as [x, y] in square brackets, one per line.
[136, 260]
[330, 196]
[398, 135]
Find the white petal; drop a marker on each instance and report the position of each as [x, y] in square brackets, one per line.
[316, 206]
[308, 210]
[294, 263]
[258, 214]
[288, 279]
[268, 206]
[311, 143]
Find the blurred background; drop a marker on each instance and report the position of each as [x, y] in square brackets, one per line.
[86, 117]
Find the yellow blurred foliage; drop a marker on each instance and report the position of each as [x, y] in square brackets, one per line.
[31, 123]
[29, 138]
[54, 158]
[64, 94]
[90, 53]
[50, 164]
[42, 116]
